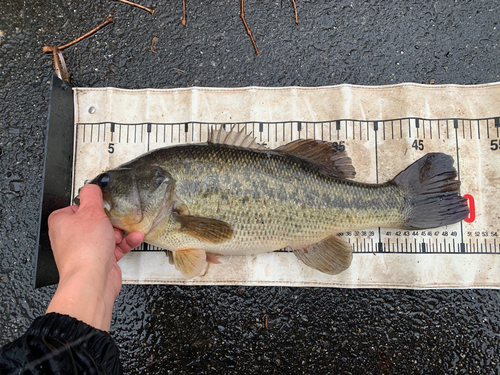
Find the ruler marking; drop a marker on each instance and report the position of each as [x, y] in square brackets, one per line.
[487, 129]
[148, 129]
[91, 131]
[439, 129]
[430, 129]
[478, 130]
[375, 129]
[458, 176]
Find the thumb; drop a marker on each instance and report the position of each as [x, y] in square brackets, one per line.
[91, 197]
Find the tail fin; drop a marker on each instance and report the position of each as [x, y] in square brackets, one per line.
[432, 192]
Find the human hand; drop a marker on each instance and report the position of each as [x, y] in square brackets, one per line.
[86, 249]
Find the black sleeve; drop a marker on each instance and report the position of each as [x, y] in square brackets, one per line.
[60, 344]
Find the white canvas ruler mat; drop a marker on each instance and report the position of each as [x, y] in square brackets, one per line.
[383, 129]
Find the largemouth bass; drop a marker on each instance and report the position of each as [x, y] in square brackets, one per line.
[232, 196]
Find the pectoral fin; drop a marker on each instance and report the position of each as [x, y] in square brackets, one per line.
[191, 262]
[205, 229]
[331, 256]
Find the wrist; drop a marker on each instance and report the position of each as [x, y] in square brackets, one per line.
[83, 297]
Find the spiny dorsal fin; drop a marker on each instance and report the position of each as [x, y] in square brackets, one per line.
[331, 256]
[234, 138]
[333, 163]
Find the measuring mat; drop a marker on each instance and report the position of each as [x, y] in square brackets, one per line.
[383, 130]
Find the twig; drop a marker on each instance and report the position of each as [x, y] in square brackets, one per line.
[242, 16]
[183, 22]
[295, 10]
[153, 44]
[137, 5]
[50, 49]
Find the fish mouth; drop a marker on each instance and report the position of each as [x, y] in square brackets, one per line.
[105, 203]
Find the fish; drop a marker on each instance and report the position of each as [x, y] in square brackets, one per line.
[234, 196]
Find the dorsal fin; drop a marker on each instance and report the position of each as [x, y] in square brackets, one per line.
[234, 138]
[333, 163]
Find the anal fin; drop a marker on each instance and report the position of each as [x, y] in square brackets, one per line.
[331, 256]
[191, 262]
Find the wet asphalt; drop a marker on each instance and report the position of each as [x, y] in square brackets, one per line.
[234, 329]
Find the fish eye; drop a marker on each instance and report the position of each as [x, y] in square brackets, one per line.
[159, 178]
[103, 180]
